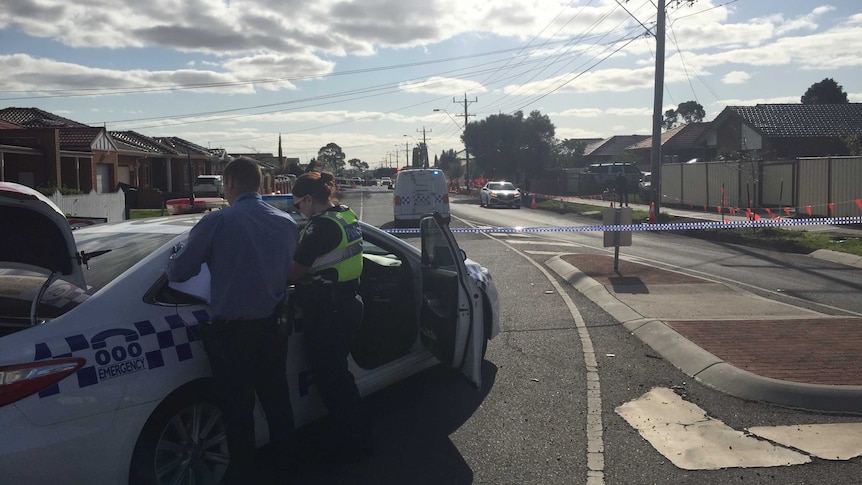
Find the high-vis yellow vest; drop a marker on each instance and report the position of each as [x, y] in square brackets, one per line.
[346, 258]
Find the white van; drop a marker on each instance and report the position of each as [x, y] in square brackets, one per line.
[418, 192]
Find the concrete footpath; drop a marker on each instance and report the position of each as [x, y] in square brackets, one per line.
[731, 340]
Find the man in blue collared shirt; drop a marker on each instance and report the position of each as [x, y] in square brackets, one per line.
[248, 248]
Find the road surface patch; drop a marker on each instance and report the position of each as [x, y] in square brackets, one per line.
[691, 440]
[832, 441]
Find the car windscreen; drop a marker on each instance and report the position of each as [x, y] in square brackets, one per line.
[501, 186]
[108, 255]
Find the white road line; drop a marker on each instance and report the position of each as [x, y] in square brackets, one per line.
[595, 439]
[691, 440]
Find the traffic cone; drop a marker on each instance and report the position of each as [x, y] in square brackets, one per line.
[533, 203]
[652, 212]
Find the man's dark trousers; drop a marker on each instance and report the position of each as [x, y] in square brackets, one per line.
[248, 357]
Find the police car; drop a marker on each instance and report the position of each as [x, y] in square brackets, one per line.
[103, 378]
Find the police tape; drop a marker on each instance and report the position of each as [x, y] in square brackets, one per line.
[673, 226]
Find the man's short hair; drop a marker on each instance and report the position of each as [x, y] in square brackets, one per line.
[245, 172]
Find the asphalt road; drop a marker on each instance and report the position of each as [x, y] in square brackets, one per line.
[555, 378]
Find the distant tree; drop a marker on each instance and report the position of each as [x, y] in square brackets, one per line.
[312, 165]
[826, 91]
[509, 146]
[357, 164]
[569, 153]
[854, 144]
[689, 111]
[331, 158]
[449, 164]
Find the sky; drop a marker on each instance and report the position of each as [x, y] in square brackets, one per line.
[376, 77]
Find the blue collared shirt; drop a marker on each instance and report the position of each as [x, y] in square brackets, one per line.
[249, 248]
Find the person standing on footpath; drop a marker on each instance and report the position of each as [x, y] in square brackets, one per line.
[248, 247]
[326, 270]
[622, 188]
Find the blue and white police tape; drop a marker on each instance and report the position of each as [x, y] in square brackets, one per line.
[673, 226]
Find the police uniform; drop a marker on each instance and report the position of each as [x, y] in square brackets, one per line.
[330, 246]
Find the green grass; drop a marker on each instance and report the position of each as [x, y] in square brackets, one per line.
[144, 213]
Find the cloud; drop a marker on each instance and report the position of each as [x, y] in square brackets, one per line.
[736, 77]
[443, 85]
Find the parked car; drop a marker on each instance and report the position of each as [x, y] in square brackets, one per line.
[603, 175]
[500, 193]
[103, 378]
[209, 186]
[645, 187]
[386, 181]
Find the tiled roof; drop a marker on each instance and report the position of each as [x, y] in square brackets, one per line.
[680, 136]
[35, 118]
[180, 145]
[139, 142]
[613, 145]
[78, 139]
[803, 120]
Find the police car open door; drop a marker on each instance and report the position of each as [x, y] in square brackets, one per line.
[450, 322]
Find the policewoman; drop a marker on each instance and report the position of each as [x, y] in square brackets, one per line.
[326, 269]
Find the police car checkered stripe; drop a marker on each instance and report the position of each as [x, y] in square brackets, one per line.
[153, 340]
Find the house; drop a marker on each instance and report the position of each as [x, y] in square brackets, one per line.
[784, 131]
[40, 149]
[611, 149]
[679, 144]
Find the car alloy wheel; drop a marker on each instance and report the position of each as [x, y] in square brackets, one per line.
[184, 442]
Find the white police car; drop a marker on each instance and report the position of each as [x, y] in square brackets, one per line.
[103, 378]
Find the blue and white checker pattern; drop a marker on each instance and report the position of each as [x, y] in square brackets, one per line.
[162, 341]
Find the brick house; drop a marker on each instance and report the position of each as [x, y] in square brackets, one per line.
[784, 131]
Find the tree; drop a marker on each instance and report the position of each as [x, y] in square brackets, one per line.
[509, 146]
[450, 165]
[854, 144]
[569, 153]
[331, 158]
[826, 91]
[689, 111]
[357, 164]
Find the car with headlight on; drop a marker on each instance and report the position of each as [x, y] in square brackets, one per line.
[500, 193]
[103, 378]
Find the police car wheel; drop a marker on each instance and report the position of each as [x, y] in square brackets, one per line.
[182, 442]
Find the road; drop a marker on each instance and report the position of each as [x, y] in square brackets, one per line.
[564, 382]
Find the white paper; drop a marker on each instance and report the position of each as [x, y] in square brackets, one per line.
[197, 286]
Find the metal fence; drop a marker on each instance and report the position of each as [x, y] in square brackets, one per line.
[817, 187]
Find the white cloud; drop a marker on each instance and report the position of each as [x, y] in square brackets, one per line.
[443, 85]
[736, 77]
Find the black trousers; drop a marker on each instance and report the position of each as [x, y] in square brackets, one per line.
[248, 357]
[328, 332]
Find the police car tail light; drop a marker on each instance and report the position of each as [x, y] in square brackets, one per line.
[21, 380]
[397, 200]
[446, 198]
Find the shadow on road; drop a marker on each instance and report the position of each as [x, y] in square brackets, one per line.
[412, 422]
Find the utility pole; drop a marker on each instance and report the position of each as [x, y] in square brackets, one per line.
[467, 150]
[424, 148]
[655, 153]
[407, 153]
